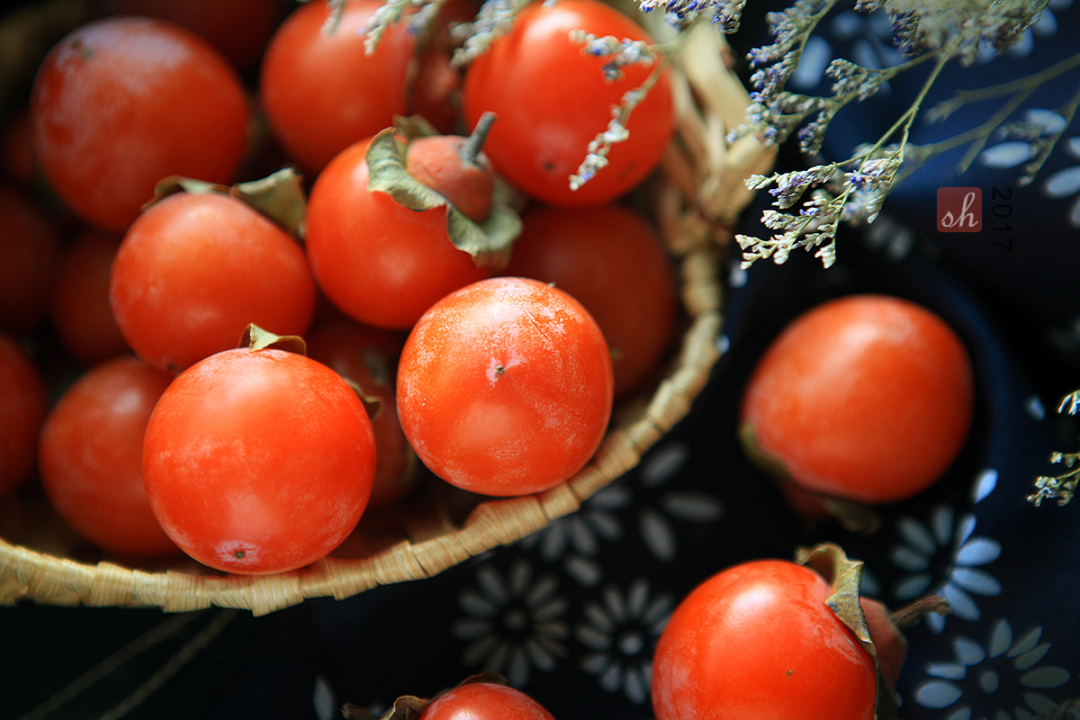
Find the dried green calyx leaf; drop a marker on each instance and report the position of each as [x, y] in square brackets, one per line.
[386, 173]
[406, 707]
[372, 403]
[411, 127]
[488, 242]
[278, 197]
[257, 338]
[845, 577]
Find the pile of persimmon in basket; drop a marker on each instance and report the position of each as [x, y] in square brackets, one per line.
[280, 279]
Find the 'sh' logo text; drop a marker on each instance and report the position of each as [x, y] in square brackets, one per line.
[959, 209]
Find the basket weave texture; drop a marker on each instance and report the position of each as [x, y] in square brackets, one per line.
[696, 201]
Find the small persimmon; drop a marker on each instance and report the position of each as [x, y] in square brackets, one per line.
[397, 221]
[456, 168]
[866, 398]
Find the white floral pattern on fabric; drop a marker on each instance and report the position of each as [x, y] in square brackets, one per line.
[985, 483]
[1005, 673]
[512, 623]
[1066, 338]
[1011, 153]
[963, 576]
[1035, 408]
[737, 275]
[574, 540]
[620, 631]
[322, 699]
[723, 344]
[654, 522]
[1066, 182]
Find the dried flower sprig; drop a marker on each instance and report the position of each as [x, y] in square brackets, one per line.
[619, 54]
[391, 12]
[726, 14]
[1017, 91]
[384, 16]
[925, 31]
[495, 18]
[851, 190]
[1060, 488]
[335, 9]
[597, 151]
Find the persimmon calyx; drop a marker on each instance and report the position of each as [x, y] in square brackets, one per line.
[278, 196]
[845, 577]
[257, 338]
[488, 242]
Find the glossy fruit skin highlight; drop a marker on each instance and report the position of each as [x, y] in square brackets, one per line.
[195, 269]
[485, 701]
[91, 457]
[114, 111]
[868, 398]
[505, 387]
[758, 642]
[258, 461]
[552, 99]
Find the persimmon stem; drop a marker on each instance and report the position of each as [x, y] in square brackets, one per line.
[470, 151]
[908, 615]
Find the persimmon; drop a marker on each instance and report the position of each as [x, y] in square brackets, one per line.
[396, 222]
[22, 410]
[123, 102]
[91, 457]
[455, 167]
[610, 258]
[368, 357]
[867, 398]
[196, 268]
[322, 91]
[29, 247]
[505, 387]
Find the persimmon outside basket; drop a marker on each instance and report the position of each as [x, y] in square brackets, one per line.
[696, 199]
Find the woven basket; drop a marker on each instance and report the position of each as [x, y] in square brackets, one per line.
[696, 200]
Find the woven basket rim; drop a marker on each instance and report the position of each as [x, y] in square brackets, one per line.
[706, 174]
